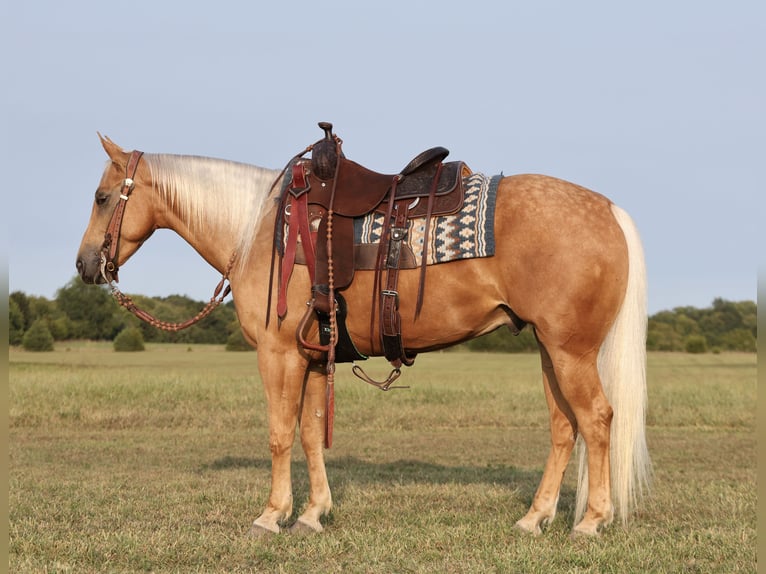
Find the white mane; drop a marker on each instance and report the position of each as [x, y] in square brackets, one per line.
[211, 194]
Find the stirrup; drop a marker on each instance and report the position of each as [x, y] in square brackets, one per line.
[382, 385]
[302, 327]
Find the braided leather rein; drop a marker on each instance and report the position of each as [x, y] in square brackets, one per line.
[219, 294]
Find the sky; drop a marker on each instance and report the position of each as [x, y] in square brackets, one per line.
[659, 105]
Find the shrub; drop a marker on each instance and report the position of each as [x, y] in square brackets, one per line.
[129, 339]
[696, 344]
[237, 342]
[38, 337]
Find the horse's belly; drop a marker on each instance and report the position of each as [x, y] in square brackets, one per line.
[461, 300]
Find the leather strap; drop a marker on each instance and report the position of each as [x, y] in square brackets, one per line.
[299, 218]
[424, 258]
[286, 268]
[380, 261]
[394, 236]
[307, 238]
[390, 319]
[110, 248]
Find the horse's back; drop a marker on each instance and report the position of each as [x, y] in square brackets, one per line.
[553, 212]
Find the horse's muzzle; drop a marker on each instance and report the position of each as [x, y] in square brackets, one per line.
[89, 270]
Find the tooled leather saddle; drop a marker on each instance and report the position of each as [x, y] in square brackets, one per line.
[315, 227]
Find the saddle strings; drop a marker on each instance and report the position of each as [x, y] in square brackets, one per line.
[279, 220]
[330, 367]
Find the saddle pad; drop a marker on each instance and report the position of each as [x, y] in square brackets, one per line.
[467, 234]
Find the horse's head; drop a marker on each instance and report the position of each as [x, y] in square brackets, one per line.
[116, 230]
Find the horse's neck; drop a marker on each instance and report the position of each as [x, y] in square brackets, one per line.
[211, 204]
[214, 241]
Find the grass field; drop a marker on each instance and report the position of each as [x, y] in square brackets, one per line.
[158, 462]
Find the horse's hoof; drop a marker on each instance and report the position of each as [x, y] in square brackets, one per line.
[301, 528]
[584, 534]
[536, 531]
[258, 531]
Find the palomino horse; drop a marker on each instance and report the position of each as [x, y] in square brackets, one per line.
[567, 261]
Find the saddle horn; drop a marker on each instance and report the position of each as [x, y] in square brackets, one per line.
[327, 127]
[324, 154]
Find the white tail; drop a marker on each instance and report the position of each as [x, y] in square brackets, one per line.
[622, 368]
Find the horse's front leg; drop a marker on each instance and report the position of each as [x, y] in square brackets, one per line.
[312, 429]
[283, 377]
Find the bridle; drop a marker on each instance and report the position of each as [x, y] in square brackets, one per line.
[111, 247]
[110, 250]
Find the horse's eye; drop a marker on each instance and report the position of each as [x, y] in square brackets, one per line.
[101, 198]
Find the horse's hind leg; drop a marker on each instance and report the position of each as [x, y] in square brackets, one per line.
[312, 429]
[579, 385]
[594, 421]
[563, 434]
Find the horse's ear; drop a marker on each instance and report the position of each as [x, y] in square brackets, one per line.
[114, 151]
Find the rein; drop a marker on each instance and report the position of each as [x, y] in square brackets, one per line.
[110, 253]
[219, 294]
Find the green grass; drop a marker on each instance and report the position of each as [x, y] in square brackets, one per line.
[159, 461]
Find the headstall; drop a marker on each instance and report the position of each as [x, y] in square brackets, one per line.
[111, 246]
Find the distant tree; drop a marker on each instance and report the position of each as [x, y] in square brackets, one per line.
[38, 337]
[92, 312]
[15, 323]
[60, 327]
[726, 326]
[738, 340]
[661, 336]
[40, 307]
[214, 328]
[129, 339]
[22, 302]
[685, 325]
[32, 308]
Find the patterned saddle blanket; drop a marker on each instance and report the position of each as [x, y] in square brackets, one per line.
[464, 235]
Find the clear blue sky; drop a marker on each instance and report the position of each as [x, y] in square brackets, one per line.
[659, 105]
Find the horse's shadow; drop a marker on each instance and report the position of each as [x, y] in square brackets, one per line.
[350, 470]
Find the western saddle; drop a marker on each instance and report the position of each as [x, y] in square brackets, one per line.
[322, 197]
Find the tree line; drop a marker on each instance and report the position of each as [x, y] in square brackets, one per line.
[725, 326]
[81, 311]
